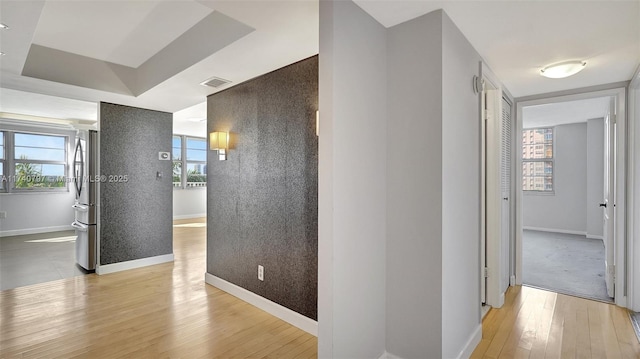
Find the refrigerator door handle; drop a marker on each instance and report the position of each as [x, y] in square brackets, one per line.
[78, 167]
[79, 226]
[80, 207]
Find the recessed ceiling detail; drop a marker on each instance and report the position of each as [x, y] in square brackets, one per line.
[206, 37]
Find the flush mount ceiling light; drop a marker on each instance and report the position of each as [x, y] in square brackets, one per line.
[563, 69]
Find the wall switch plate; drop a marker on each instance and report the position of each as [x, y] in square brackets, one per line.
[261, 273]
[164, 156]
[3, 215]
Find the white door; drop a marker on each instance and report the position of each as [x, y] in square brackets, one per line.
[608, 204]
[505, 192]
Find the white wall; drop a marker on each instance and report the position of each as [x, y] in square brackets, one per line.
[414, 200]
[461, 322]
[424, 125]
[36, 213]
[189, 203]
[595, 176]
[566, 209]
[352, 183]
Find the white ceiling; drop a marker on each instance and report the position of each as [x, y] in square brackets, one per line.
[128, 33]
[562, 113]
[516, 38]
[137, 30]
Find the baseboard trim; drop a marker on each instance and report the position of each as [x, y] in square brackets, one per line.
[296, 319]
[591, 236]
[190, 216]
[472, 343]
[20, 232]
[133, 264]
[553, 230]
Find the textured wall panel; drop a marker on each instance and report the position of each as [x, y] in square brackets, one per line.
[262, 203]
[136, 215]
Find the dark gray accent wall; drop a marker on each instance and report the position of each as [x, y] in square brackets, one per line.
[136, 214]
[262, 203]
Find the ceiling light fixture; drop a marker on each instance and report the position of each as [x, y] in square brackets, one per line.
[4, 26]
[563, 69]
[2, 53]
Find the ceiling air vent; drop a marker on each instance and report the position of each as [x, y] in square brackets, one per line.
[215, 82]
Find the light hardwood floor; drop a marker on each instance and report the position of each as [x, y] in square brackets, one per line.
[534, 323]
[159, 311]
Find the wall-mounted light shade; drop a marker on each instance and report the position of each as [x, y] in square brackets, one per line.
[563, 69]
[219, 141]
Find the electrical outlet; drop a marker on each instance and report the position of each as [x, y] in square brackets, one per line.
[261, 272]
[3, 215]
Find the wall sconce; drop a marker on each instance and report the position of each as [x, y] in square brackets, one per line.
[219, 141]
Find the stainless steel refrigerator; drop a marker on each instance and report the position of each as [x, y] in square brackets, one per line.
[86, 180]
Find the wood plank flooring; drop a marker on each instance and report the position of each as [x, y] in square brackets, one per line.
[534, 323]
[159, 311]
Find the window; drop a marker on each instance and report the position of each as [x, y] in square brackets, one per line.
[537, 160]
[189, 153]
[33, 161]
[177, 161]
[196, 162]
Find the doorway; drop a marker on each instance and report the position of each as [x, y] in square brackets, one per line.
[569, 200]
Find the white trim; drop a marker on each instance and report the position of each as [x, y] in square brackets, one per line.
[190, 216]
[296, 319]
[555, 230]
[133, 264]
[591, 236]
[20, 232]
[472, 343]
[387, 355]
[633, 204]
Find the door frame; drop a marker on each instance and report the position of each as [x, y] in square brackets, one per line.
[633, 208]
[620, 223]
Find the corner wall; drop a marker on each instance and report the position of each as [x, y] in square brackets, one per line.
[262, 204]
[353, 146]
[461, 324]
[414, 184]
[430, 303]
[136, 214]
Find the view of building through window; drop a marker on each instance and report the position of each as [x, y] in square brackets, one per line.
[537, 160]
[189, 153]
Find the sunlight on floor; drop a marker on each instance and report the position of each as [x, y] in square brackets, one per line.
[190, 225]
[54, 240]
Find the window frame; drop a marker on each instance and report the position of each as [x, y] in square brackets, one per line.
[9, 176]
[3, 160]
[184, 162]
[533, 160]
